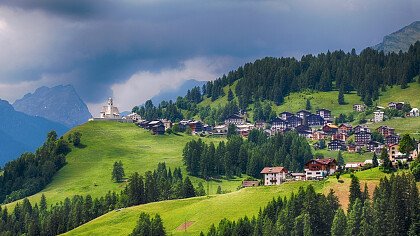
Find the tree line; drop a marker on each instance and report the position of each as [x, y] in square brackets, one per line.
[250, 156]
[31, 172]
[394, 209]
[41, 219]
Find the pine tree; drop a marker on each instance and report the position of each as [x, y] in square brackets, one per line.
[386, 163]
[43, 204]
[308, 105]
[118, 171]
[375, 160]
[366, 228]
[355, 192]
[188, 188]
[341, 97]
[340, 159]
[354, 218]
[157, 228]
[230, 95]
[339, 224]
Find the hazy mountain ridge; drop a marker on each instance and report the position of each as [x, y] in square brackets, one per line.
[401, 39]
[20, 132]
[60, 104]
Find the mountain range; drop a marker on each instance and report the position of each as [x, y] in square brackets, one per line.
[20, 132]
[61, 104]
[401, 39]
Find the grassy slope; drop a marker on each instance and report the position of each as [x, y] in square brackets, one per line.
[88, 170]
[205, 211]
[409, 125]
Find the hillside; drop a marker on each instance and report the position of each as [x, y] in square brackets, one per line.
[61, 104]
[20, 132]
[401, 39]
[88, 169]
[204, 211]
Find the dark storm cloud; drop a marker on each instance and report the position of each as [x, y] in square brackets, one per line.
[96, 44]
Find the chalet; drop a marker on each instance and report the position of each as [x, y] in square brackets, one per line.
[360, 128]
[166, 123]
[235, 119]
[354, 165]
[414, 112]
[183, 124]
[279, 124]
[336, 145]
[340, 136]
[378, 116]
[143, 124]
[150, 124]
[324, 113]
[385, 130]
[359, 107]
[318, 135]
[220, 129]
[303, 113]
[294, 121]
[286, 115]
[330, 129]
[320, 168]
[250, 183]
[207, 128]
[396, 105]
[196, 126]
[156, 127]
[134, 117]
[314, 120]
[372, 146]
[345, 128]
[304, 131]
[362, 137]
[244, 129]
[274, 175]
[352, 148]
[261, 124]
[298, 176]
[394, 153]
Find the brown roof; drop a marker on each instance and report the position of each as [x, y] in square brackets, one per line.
[277, 169]
[324, 161]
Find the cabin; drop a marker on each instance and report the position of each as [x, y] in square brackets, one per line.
[372, 146]
[134, 117]
[220, 129]
[360, 128]
[340, 136]
[359, 107]
[167, 123]
[156, 127]
[303, 113]
[279, 124]
[318, 135]
[324, 113]
[304, 131]
[274, 175]
[392, 139]
[315, 120]
[352, 148]
[244, 129]
[196, 126]
[385, 130]
[320, 168]
[345, 128]
[235, 119]
[362, 137]
[330, 129]
[250, 183]
[378, 116]
[337, 145]
[286, 115]
[396, 105]
[298, 176]
[294, 121]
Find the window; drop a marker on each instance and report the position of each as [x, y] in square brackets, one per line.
[318, 173]
[309, 173]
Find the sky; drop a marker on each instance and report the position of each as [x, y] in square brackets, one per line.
[133, 49]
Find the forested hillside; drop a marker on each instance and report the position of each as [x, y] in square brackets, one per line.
[272, 79]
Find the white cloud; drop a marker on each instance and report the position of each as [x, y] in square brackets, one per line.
[143, 85]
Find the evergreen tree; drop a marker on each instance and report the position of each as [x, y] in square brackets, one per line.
[143, 227]
[118, 171]
[386, 163]
[339, 224]
[340, 159]
[366, 228]
[188, 188]
[355, 192]
[375, 162]
[308, 105]
[157, 228]
[230, 95]
[341, 97]
[354, 218]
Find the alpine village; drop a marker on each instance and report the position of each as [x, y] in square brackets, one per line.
[323, 144]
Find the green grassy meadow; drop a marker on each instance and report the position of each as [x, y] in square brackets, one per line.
[408, 125]
[88, 170]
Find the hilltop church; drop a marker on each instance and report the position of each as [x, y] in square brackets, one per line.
[109, 111]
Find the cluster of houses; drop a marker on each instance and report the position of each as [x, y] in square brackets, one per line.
[378, 115]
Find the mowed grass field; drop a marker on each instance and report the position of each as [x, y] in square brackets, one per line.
[204, 211]
[408, 125]
[88, 170]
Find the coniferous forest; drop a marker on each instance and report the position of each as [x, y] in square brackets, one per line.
[271, 79]
[394, 209]
[249, 156]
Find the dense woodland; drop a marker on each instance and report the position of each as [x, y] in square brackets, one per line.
[271, 79]
[39, 219]
[31, 172]
[249, 156]
[394, 209]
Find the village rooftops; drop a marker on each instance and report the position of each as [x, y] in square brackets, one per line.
[273, 170]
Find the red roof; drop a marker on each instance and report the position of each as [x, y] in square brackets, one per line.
[277, 169]
[325, 161]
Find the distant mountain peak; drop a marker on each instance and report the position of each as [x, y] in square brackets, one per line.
[60, 103]
[400, 39]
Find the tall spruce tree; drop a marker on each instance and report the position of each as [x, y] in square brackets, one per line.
[339, 224]
[118, 171]
[355, 192]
